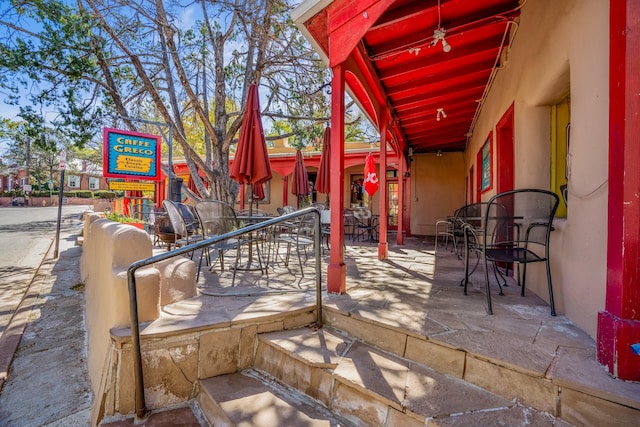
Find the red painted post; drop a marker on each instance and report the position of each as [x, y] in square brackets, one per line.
[619, 323]
[337, 269]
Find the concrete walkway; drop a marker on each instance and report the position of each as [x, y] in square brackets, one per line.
[47, 382]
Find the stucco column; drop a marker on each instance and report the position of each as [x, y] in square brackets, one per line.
[337, 270]
[383, 245]
[619, 323]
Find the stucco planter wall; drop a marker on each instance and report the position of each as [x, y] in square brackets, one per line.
[109, 248]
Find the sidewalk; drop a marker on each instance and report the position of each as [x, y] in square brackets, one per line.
[47, 383]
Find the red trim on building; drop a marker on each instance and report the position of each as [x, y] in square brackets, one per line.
[619, 323]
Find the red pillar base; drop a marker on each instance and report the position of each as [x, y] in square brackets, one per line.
[337, 278]
[615, 337]
[383, 251]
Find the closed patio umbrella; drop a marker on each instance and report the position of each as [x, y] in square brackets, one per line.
[257, 193]
[251, 163]
[324, 176]
[300, 184]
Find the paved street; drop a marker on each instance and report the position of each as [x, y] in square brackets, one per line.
[26, 233]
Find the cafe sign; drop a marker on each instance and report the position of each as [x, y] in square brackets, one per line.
[131, 186]
[131, 155]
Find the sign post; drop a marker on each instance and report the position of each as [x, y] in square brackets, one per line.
[62, 167]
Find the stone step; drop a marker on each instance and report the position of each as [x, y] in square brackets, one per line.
[368, 386]
[249, 398]
[567, 382]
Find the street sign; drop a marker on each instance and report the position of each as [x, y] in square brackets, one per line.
[63, 160]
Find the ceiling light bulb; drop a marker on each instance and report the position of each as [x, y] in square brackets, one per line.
[446, 46]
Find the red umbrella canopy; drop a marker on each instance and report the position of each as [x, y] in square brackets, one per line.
[300, 185]
[251, 163]
[324, 176]
[371, 183]
[258, 192]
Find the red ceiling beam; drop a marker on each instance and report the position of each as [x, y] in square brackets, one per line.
[436, 74]
[442, 88]
[348, 22]
[437, 102]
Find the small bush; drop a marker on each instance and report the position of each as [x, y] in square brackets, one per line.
[84, 194]
[104, 194]
[118, 217]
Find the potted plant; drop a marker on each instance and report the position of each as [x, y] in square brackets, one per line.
[124, 219]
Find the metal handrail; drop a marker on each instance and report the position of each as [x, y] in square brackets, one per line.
[140, 406]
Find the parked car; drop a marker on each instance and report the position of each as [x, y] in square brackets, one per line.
[18, 201]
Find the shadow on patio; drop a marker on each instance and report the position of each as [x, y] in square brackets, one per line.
[419, 295]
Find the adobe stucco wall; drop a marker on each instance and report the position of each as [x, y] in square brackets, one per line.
[437, 189]
[560, 49]
[109, 248]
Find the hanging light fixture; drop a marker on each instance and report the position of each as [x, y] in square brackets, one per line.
[438, 34]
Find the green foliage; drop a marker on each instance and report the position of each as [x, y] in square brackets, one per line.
[118, 217]
[99, 63]
[45, 58]
[104, 194]
[84, 194]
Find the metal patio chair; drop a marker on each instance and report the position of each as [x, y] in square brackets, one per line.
[184, 223]
[516, 230]
[217, 218]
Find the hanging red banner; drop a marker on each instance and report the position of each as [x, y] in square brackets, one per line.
[371, 183]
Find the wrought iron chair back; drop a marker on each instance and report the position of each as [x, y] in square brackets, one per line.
[516, 230]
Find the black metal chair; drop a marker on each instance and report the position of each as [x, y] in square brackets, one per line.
[217, 218]
[183, 222]
[444, 231]
[516, 230]
[366, 225]
[470, 215]
[298, 234]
